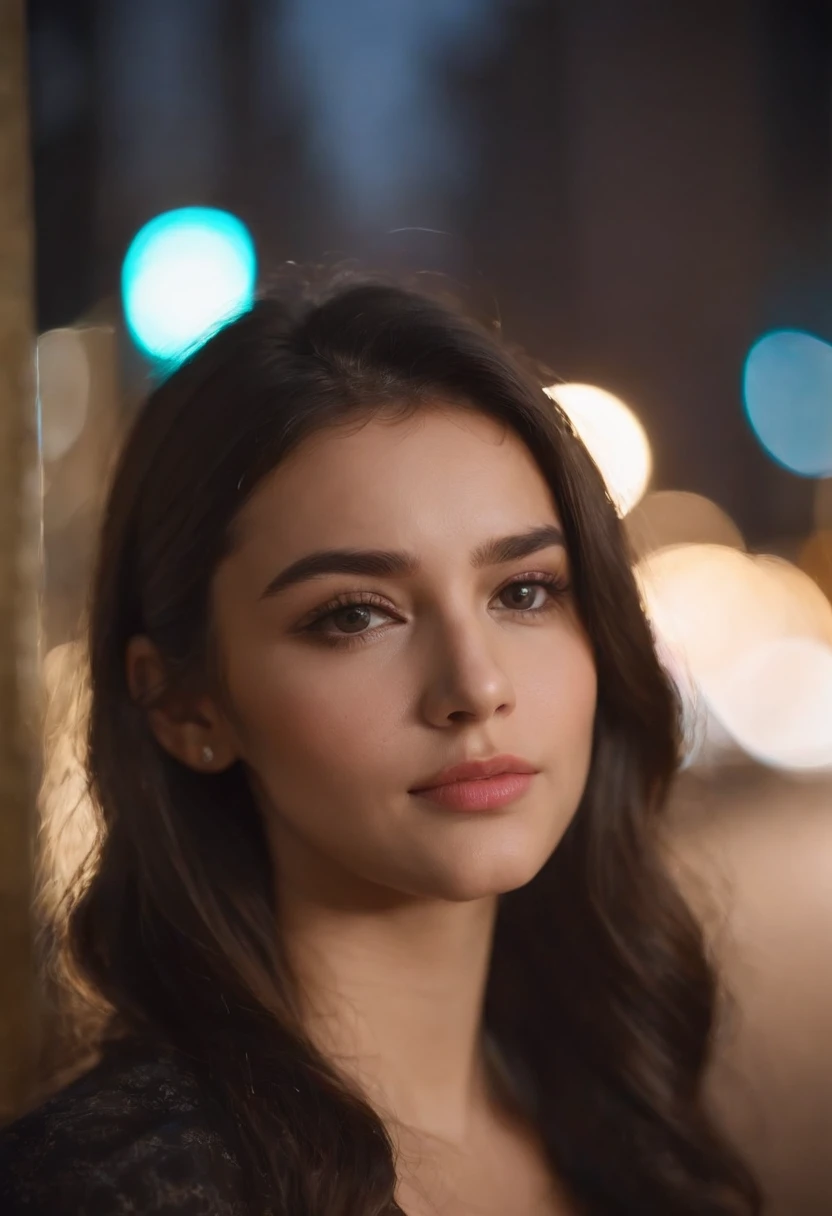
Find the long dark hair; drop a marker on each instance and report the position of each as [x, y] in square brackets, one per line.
[600, 997]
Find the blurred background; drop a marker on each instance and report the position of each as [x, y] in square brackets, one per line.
[639, 195]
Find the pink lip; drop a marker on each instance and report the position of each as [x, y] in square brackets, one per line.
[481, 794]
[479, 784]
[475, 770]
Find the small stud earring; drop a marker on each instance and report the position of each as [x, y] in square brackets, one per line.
[207, 755]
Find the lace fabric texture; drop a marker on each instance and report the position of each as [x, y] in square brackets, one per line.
[132, 1136]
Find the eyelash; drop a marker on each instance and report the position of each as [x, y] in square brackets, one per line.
[555, 584]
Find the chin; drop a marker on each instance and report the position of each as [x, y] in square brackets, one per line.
[482, 876]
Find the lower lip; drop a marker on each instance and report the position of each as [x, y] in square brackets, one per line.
[484, 794]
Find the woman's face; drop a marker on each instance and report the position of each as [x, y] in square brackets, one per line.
[449, 653]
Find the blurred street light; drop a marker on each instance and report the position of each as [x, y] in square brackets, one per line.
[787, 387]
[614, 437]
[186, 273]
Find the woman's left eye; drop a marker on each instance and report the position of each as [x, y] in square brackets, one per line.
[527, 595]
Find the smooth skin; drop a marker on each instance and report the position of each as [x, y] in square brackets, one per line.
[386, 901]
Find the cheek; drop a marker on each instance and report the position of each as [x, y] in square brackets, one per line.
[560, 693]
[581, 689]
[309, 717]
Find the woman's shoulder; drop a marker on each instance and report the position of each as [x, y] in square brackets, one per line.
[134, 1134]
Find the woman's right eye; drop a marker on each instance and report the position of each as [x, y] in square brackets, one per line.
[347, 619]
[352, 619]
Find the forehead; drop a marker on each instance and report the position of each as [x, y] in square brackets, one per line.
[443, 472]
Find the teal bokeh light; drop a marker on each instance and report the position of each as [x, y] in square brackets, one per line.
[185, 274]
[787, 387]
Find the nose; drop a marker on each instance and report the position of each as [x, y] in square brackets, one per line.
[466, 680]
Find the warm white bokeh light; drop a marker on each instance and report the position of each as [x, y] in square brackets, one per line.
[63, 374]
[776, 702]
[802, 608]
[679, 517]
[614, 437]
[709, 602]
[721, 618]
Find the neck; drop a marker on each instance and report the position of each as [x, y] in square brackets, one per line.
[392, 992]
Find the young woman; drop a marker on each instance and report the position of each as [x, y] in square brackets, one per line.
[380, 746]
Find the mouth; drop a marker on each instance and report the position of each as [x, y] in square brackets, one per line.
[483, 794]
[479, 785]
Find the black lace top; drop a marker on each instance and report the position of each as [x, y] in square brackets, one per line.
[133, 1136]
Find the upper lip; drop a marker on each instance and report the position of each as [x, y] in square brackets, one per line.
[475, 770]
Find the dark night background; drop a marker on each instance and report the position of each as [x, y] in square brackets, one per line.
[639, 189]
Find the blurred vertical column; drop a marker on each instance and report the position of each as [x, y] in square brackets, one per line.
[80, 420]
[20, 565]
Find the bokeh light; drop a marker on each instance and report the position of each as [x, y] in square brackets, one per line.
[699, 598]
[797, 606]
[708, 603]
[679, 517]
[63, 377]
[787, 387]
[185, 274]
[721, 618]
[776, 702]
[614, 437]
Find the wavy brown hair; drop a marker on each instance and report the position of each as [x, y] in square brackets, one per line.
[600, 996]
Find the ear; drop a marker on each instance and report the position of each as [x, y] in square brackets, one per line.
[191, 727]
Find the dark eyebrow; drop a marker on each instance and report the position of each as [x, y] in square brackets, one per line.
[381, 563]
